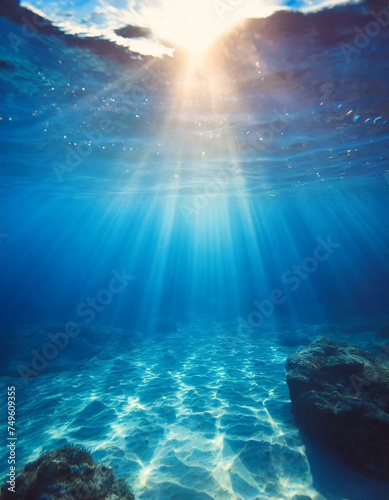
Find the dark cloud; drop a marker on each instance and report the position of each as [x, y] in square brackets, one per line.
[133, 32]
[37, 24]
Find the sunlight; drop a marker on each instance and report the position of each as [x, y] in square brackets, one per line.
[144, 475]
[193, 26]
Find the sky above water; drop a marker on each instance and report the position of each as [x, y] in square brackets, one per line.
[190, 24]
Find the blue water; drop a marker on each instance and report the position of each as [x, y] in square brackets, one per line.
[186, 226]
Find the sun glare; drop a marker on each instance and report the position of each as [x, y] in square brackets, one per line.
[191, 25]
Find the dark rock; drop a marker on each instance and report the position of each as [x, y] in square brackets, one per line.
[340, 393]
[68, 472]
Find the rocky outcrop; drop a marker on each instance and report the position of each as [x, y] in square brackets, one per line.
[68, 472]
[340, 393]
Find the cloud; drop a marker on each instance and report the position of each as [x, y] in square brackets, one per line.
[133, 32]
[138, 24]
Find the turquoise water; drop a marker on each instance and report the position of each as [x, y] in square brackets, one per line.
[171, 231]
[200, 413]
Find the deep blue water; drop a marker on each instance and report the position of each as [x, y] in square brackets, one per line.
[189, 218]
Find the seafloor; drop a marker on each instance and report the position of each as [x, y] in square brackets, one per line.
[199, 413]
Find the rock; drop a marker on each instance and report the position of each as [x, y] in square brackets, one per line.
[340, 394]
[68, 472]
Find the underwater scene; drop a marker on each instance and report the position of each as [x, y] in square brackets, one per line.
[194, 249]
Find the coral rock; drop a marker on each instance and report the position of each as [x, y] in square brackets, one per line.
[65, 474]
[340, 394]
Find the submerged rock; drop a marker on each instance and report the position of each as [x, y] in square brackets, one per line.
[67, 473]
[340, 393]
